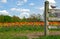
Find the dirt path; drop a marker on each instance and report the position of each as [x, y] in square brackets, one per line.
[38, 34]
[54, 33]
[32, 35]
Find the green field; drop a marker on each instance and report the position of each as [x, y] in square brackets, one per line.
[21, 28]
[14, 32]
[20, 32]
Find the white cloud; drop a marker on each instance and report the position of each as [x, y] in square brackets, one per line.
[31, 4]
[51, 1]
[25, 0]
[41, 8]
[20, 10]
[4, 12]
[26, 15]
[23, 12]
[4, 1]
[14, 9]
[21, 2]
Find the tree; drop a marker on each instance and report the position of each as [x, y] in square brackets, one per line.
[7, 18]
[1, 18]
[15, 19]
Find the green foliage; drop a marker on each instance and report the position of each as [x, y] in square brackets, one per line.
[15, 19]
[1, 18]
[33, 18]
[5, 18]
[21, 28]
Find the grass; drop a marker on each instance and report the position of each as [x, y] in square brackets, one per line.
[48, 37]
[14, 32]
[21, 28]
[12, 37]
[25, 28]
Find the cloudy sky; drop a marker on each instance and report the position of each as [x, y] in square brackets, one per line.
[23, 8]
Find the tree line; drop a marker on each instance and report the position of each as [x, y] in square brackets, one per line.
[32, 18]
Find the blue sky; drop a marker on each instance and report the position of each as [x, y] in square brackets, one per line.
[23, 8]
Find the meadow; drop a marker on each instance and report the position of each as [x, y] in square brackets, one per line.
[18, 32]
[23, 32]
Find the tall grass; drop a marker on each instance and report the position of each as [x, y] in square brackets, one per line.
[21, 28]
